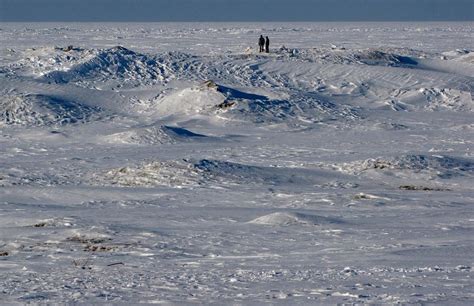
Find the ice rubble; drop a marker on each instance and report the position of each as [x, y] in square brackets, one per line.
[377, 57]
[121, 68]
[207, 172]
[38, 109]
[175, 174]
[441, 166]
[117, 62]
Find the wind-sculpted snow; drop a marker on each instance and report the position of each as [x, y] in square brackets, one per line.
[239, 173]
[431, 99]
[338, 55]
[117, 62]
[440, 166]
[235, 174]
[174, 174]
[213, 100]
[155, 135]
[285, 218]
[189, 101]
[182, 166]
[467, 57]
[211, 173]
[37, 110]
[297, 110]
[39, 61]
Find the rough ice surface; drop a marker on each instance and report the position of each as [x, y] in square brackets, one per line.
[173, 163]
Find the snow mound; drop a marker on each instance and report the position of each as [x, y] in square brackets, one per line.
[188, 173]
[290, 218]
[177, 62]
[226, 102]
[449, 99]
[468, 57]
[431, 99]
[34, 109]
[154, 135]
[231, 173]
[190, 101]
[441, 166]
[32, 177]
[117, 62]
[181, 133]
[374, 57]
[54, 222]
[460, 55]
[43, 60]
[297, 110]
[175, 174]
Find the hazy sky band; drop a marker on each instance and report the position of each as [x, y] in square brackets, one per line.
[236, 10]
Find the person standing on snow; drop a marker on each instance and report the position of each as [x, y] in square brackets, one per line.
[267, 44]
[261, 43]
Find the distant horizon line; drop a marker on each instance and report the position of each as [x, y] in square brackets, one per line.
[221, 21]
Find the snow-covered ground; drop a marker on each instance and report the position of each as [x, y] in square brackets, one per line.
[173, 163]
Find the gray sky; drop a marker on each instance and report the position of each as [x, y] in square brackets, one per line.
[236, 10]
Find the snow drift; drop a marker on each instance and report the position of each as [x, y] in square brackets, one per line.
[292, 218]
[117, 62]
[441, 166]
[37, 109]
[154, 134]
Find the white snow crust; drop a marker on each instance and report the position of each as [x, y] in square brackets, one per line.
[173, 163]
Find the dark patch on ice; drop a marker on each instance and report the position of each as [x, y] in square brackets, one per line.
[31, 297]
[390, 126]
[232, 93]
[422, 188]
[406, 60]
[181, 132]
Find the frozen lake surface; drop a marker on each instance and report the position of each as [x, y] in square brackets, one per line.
[167, 162]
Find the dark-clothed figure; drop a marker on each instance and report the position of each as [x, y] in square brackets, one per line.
[267, 44]
[261, 43]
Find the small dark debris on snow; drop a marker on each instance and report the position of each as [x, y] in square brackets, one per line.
[210, 84]
[68, 48]
[85, 240]
[421, 188]
[98, 248]
[226, 104]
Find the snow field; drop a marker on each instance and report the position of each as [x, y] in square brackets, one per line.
[138, 167]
